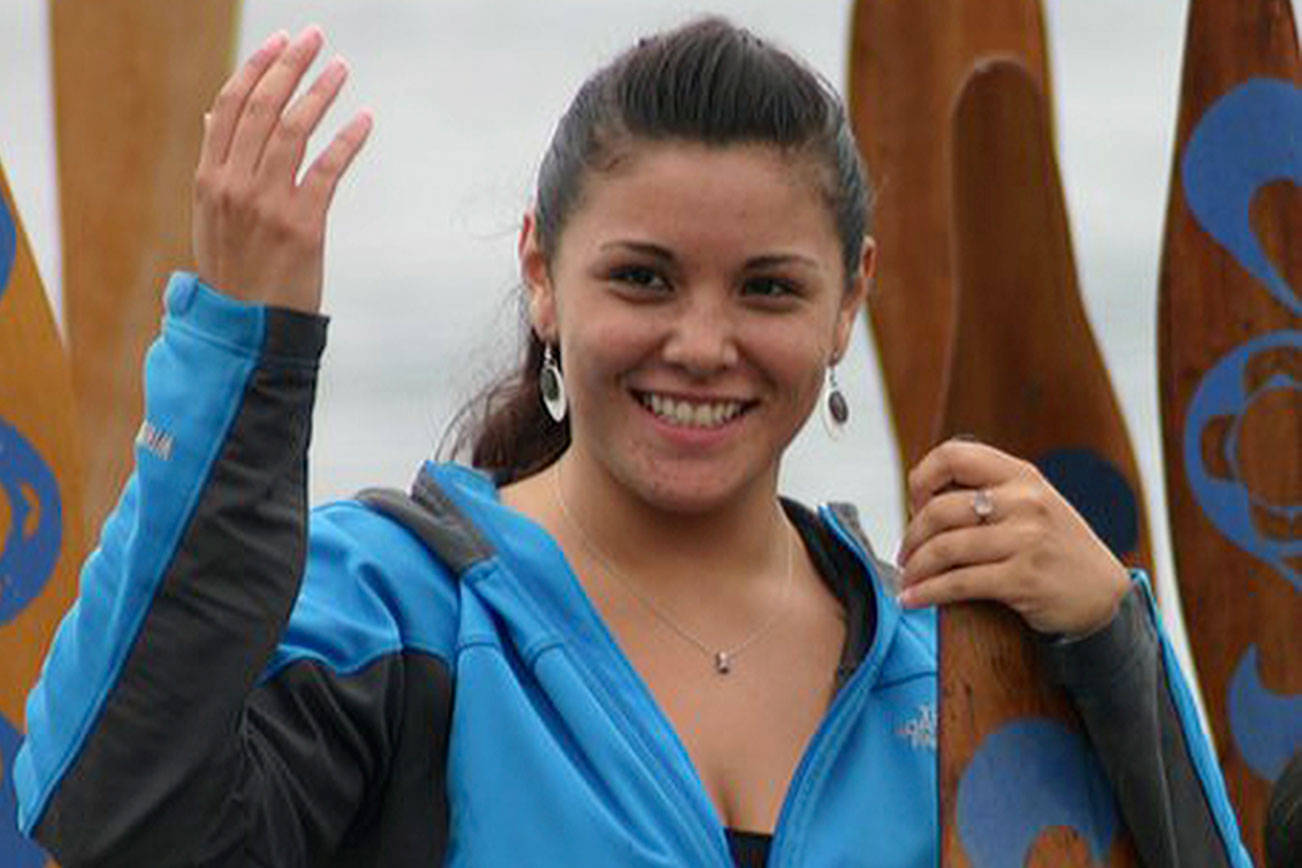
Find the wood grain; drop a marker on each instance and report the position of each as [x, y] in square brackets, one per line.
[908, 61]
[41, 542]
[1230, 370]
[132, 79]
[1027, 377]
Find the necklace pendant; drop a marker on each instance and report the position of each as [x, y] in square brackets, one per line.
[722, 664]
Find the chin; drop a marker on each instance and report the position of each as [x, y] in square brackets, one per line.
[687, 502]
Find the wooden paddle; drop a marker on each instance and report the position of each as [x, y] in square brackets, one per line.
[1026, 377]
[908, 61]
[132, 79]
[40, 499]
[1230, 349]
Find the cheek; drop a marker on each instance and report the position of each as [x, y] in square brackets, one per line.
[812, 387]
[603, 349]
[798, 357]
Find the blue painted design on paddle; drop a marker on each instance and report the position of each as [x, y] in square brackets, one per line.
[1031, 775]
[27, 556]
[1099, 492]
[1228, 503]
[8, 244]
[1247, 139]
[16, 851]
[1267, 727]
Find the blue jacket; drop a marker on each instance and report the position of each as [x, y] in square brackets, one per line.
[419, 682]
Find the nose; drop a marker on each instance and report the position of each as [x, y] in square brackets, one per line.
[703, 340]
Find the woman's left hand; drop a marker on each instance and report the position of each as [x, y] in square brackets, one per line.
[1031, 551]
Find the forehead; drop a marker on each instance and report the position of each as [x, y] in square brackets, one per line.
[695, 195]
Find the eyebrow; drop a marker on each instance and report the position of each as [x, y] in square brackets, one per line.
[775, 259]
[644, 247]
[769, 260]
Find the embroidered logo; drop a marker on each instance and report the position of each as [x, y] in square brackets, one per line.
[920, 732]
[154, 440]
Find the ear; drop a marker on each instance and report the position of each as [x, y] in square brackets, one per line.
[855, 295]
[537, 279]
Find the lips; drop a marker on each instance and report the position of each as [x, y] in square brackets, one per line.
[692, 413]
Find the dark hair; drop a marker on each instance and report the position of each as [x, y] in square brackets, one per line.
[707, 82]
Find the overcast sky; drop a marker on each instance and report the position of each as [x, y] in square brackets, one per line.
[420, 261]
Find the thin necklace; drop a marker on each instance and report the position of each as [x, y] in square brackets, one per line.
[722, 657]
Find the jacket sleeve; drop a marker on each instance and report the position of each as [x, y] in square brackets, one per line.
[156, 736]
[1127, 685]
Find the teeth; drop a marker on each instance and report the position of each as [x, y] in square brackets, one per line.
[701, 415]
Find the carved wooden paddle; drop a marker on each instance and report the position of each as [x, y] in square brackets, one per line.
[908, 61]
[1230, 352]
[1018, 780]
[40, 499]
[132, 79]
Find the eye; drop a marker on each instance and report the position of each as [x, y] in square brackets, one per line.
[769, 287]
[639, 277]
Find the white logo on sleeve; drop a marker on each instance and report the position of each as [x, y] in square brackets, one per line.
[154, 440]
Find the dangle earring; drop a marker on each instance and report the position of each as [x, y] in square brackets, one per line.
[552, 385]
[835, 411]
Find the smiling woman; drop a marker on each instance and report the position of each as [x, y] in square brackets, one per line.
[608, 640]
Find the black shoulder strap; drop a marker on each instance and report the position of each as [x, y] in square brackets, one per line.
[434, 519]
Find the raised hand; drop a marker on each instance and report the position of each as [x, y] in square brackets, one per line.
[259, 231]
[986, 525]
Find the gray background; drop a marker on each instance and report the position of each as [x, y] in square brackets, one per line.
[421, 271]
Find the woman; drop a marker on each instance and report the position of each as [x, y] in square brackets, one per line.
[616, 645]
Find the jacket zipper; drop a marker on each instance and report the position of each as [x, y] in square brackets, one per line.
[823, 736]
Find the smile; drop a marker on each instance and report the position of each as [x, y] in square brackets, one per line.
[691, 414]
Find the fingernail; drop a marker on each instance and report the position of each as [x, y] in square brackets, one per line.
[966, 438]
[337, 67]
[274, 41]
[365, 120]
[905, 598]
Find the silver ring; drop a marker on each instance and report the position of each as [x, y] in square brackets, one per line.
[983, 505]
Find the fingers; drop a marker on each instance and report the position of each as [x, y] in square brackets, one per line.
[1033, 553]
[954, 549]
[219, 123]
[258, 235]
[263, 107]
[975, 582]
[322, 177]
[962, 463]
[948, 510]
[284, 150]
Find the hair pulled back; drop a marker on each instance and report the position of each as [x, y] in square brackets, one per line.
[707, 82]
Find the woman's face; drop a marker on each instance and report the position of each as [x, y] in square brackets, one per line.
[698, 295]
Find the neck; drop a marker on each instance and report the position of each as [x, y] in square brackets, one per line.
[735, 543]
